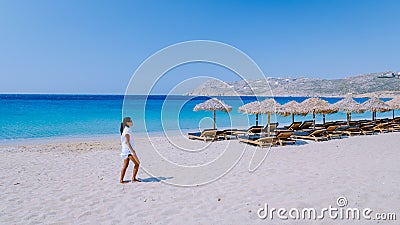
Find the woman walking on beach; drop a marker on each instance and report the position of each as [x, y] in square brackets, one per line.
[128, 153]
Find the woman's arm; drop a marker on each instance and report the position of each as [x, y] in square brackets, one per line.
[127, 138]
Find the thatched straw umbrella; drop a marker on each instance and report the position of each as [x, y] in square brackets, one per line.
[213, 104]
[291, 108]
[394, 104]
[374, 105]
[317, 106]
[251, 108]
[269, 106]
[349, 105]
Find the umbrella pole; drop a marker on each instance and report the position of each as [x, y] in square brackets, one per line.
[348, 118]
[393, 113]
[215, 120]
[293, 117]
[313, 116]
[323, 118]
[256, 119]
[269, 122]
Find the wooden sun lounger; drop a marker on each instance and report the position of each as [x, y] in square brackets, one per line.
[385, 120]
[284, 137]
[340, 123]
[350, 130]
[227, 134]
[272, 128]
[396, 120]
[306, 125]
[394, 128]
[293, 126]
[367, 129]
[206, 135]
[354, 123]
[333, 132]
[381, 128]
[250, 131]
[257, 140]
[316, 135]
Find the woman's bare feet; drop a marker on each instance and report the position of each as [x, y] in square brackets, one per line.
[136, 180]
[123, 182]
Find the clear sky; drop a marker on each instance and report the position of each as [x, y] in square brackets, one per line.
[95, 46]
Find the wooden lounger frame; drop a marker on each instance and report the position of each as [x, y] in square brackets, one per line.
[206, 135]
[312, 136]
[262, 141]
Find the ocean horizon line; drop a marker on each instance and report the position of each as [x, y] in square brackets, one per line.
[183, 95]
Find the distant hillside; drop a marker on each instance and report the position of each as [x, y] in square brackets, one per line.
[365, 85]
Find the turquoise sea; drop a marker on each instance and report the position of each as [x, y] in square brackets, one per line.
[33, 116]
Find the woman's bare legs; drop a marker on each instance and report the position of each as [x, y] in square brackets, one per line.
[135, 160]
[124, 167]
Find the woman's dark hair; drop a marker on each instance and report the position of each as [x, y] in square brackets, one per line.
[124, 124]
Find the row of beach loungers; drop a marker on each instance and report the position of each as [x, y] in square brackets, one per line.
[258, 135]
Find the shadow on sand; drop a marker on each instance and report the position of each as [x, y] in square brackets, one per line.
[154, 179]
[300, 142]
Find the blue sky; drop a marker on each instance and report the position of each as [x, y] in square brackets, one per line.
[95, 46]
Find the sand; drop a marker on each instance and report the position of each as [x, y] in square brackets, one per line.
[77, 182]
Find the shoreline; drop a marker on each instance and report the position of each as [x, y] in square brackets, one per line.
[101, 137]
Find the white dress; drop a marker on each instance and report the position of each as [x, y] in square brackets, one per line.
[125, 149]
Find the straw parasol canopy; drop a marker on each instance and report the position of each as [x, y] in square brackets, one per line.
[374, 105]
[214, 105]
[394, 104]
[348, 105]
[251, 108]
[317, 106]
[291, 108]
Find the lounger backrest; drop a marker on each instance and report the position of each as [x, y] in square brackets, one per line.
[228, 131]
[317, 133]
[306, 124]
[255, 129]
[272, 127]
[332, 128]
[328, 124]
[367, 127]
[285, 134]
[295, 126]
[353, 123]
[209, 133]
[382, 125]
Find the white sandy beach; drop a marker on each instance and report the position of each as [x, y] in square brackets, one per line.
[76, 182]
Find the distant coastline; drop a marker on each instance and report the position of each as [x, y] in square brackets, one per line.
[359, 86]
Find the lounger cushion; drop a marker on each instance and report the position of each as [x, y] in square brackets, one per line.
[250, 137]
[301, 133]
[347, 127]
[198, 134]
